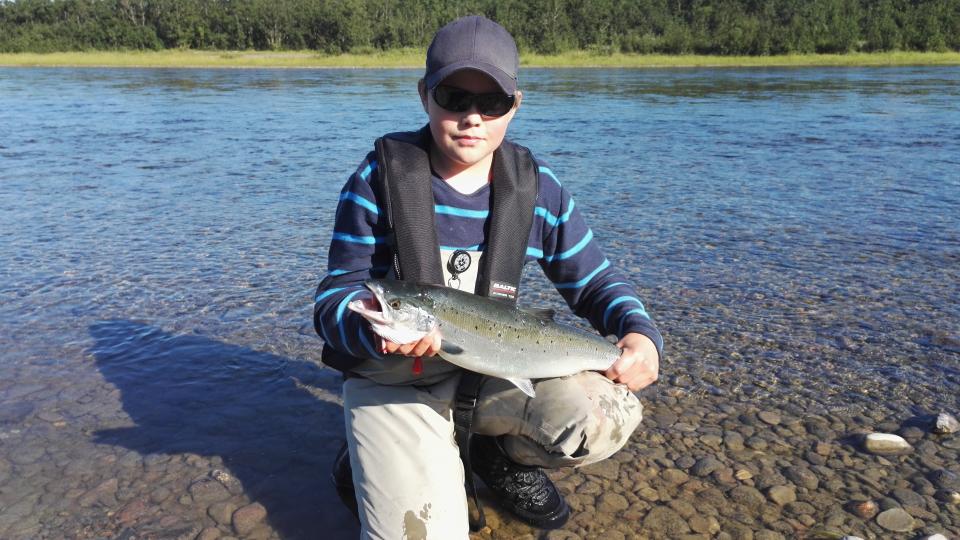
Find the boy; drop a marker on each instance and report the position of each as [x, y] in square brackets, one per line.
[456, 204]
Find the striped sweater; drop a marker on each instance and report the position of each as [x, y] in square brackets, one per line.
[560, 241]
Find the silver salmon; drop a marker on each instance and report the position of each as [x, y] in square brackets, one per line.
[484, 335]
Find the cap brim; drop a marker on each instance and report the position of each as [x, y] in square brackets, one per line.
[506, 83]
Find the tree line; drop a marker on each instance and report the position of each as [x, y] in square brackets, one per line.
[724, 27]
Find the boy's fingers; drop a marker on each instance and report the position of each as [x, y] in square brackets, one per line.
[421, 347]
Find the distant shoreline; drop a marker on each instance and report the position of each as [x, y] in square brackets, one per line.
[413, 58]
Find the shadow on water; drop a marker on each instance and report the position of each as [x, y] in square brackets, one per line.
[192, 394]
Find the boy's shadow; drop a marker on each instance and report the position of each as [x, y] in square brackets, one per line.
[191, 394]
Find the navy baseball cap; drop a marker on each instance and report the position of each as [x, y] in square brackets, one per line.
[473, 42]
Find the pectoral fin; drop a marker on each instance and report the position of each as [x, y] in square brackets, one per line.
[450, 348]
[524, 385]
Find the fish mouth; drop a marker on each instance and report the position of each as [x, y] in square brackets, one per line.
[383, 315]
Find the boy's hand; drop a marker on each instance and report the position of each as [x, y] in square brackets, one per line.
[639, 362]
[428, 345]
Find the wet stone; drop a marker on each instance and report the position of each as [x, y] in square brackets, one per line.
[908, 498]
[706, 465]
[863, 509]
[769, 417]
[733, 441]
[757, 443]
[247, 518]
[767, 534]
[947, 496]
[210, 533]
[674, 477]
[132, 511]
[747, 496]
[208, 490]
[704, 524]
[221, 512]
[886, 444]
[946, 423]
[896, 520]
[607, 468]
[662, 521]
[685, 462]
[612, 503]
[782, 495]
[802, 476]
[945, 479]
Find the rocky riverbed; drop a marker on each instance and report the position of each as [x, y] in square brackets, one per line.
[231, 442]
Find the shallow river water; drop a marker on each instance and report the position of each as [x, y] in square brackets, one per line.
[795, 233]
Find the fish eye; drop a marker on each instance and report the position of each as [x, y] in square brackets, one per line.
[395, 304]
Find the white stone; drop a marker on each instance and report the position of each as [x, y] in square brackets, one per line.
[886, 443]
[946, 423]
[851, 538]
[937, 536]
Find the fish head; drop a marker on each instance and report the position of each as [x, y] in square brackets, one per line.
[400, 312]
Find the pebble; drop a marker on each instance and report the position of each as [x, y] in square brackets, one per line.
[704, 524]
[782, 495]
[706, 465]
[937, 536]
[864, 509]
[802, 477]
[662, 521]
[769, 417]
[607, 468]
[208, 490]
[896, 520]
[886, 444]
[674, 477]
[221, 512]
[947, 496]
[210, 533]
[612, 503]
[946, 423]
[246, 518]
[945, 479]
[908, 498]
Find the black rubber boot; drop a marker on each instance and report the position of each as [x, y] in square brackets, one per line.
[525, 491]
[342, 478]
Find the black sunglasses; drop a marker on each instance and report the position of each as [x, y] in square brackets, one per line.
[452, 99]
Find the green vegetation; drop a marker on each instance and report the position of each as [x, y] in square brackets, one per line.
[413, 58]
[597, 27]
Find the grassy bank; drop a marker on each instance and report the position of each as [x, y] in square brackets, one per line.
[414, 58]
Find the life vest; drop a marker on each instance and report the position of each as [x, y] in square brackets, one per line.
[406, 191]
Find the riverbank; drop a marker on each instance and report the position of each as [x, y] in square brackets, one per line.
[413, 58]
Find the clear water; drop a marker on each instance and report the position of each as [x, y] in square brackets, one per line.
[796, 232]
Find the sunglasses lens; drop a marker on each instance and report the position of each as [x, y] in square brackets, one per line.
[453, 99]
[494, 104]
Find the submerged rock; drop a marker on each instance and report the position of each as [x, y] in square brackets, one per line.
[896, 520]
[864, 509]
[886, 444]
[946, 423]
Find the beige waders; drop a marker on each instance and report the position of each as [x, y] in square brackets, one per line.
[407, 471]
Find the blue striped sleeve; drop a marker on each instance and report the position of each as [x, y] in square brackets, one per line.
[359, 250]
[571, 257]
